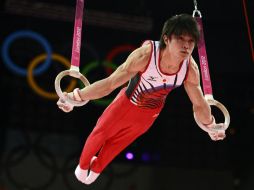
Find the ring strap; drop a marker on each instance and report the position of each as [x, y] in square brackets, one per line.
[206, 81]
[76, 44]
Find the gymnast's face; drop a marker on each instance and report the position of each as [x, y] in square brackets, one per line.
[180, 46]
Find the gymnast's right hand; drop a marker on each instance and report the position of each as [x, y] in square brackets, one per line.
[66, 106]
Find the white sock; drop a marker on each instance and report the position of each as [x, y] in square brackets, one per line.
[81, 174]
[91, 177]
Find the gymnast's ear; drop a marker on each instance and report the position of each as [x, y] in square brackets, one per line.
[165, 39]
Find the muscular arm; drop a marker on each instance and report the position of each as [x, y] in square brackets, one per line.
[193, 89]
[135, 63]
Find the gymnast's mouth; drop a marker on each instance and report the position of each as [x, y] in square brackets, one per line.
[185, 52]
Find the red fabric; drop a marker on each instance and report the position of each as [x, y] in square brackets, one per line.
[119, 125]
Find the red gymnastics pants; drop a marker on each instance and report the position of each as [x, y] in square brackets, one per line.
[119, 125]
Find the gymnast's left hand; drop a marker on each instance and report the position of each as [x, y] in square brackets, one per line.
[218, 135]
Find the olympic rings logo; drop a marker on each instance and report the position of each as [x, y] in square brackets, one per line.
[42, 62]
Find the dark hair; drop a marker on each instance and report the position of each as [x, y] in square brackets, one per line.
[178, 25]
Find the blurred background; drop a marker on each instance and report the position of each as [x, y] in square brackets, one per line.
[40, 145]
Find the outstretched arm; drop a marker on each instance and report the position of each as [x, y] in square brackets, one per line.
[135, 63]
[192, 86]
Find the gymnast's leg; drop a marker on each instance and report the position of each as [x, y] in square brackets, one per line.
[110, 150]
